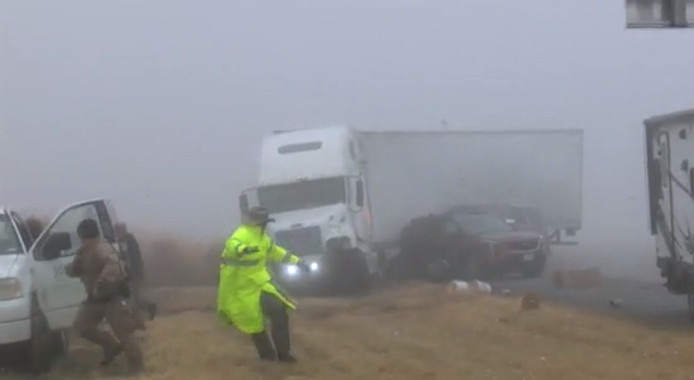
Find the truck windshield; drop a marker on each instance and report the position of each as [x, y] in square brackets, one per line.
[9, 242]
[302, 195]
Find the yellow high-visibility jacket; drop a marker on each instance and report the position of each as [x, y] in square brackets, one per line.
[242, 278]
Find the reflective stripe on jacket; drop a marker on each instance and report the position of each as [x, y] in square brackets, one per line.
[243, 276]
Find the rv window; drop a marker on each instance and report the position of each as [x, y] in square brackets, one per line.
[301, 147]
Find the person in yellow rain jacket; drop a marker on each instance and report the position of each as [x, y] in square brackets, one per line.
[247, 295]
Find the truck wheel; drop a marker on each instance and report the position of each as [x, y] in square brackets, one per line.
[350, 272]
[39, 351]
[535, 268]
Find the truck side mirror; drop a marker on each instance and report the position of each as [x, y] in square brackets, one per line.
[360, 193]
[243, 203]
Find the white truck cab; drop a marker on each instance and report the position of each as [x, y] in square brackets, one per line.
[38, 301]
[312, 182]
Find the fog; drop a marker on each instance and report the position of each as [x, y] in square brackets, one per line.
[161, 105]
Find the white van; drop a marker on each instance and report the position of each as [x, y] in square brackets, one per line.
[38, 301]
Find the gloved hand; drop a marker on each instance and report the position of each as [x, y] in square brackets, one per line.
[249, 250]
[303, 266]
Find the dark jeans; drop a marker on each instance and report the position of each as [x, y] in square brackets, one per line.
[139, 301]
[276, 311]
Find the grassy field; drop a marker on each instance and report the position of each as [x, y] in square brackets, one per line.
[413, 332]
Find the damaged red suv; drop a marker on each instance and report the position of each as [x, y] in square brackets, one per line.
[507, 250]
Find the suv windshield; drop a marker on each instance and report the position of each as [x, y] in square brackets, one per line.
[9, 242]
[302, 195]
[479, 224]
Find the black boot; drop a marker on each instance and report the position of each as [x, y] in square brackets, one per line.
[279, 326]
[111, 353]
[287, 358]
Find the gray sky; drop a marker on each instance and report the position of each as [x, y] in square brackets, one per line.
[160, 105]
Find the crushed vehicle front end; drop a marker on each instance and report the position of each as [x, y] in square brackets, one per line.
[508, 250]
[512, 252]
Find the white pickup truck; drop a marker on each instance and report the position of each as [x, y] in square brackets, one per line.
[38, 301]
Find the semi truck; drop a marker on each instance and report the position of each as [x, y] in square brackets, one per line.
[670, 173]
[340, 197]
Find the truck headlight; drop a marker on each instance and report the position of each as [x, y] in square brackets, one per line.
[313, 266]
[292, 270]
[10, 288]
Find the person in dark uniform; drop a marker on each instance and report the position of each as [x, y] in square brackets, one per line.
[135, 267]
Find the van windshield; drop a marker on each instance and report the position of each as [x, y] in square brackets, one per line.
[302, 195]
[9, 241]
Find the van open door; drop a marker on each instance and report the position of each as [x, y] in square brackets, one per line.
[58, 295]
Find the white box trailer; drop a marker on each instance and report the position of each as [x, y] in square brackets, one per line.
[412, 174]
[337, 189]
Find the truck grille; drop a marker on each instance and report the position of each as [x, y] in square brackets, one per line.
[301, 241]
[525, 245]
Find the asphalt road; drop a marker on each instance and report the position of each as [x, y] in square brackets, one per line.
[629, 275]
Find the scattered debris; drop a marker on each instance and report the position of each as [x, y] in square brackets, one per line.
[457, 286]
[530, 301]
[616, 303]
[506, 292]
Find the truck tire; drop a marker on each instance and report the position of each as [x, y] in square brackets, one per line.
[38, 353]
[349, 272]
[362, 280]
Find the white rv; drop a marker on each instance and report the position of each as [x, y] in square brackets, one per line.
[670, 173]
[38, 301]
[341, 197]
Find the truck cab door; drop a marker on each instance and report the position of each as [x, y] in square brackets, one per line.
[361, 212]
[58, 295]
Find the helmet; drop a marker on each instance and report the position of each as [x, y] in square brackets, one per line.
[257, 215]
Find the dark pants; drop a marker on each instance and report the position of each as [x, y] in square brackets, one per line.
[140, 302]
[276, 311]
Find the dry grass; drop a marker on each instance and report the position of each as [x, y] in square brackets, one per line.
[415, 332]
